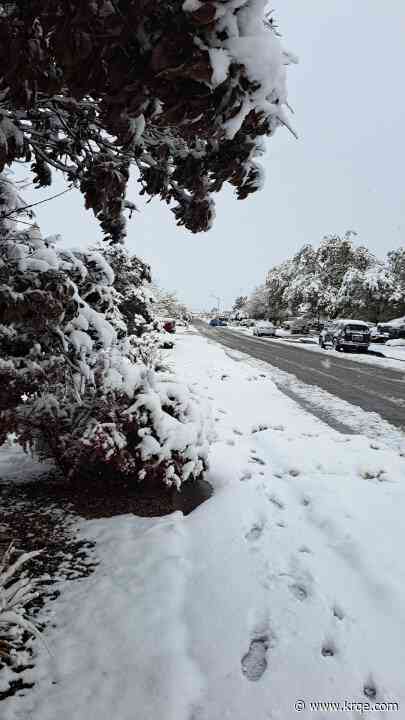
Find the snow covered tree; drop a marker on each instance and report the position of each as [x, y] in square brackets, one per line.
[240, 302]
[396, 265]
[368, 294]
[335, 257]
[76, 385]
[186, 90]
[165, 303]
[239, 308]
[257, 305]
[313, 277]
[277, 283]
[304, 288]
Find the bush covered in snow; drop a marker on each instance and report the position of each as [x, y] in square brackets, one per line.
[79, 350]
[17, 590]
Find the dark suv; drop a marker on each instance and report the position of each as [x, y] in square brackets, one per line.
[346, 334]
[393, 331]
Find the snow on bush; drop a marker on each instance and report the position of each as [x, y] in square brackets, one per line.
[17, 590]
[206, 85]
[78, 368]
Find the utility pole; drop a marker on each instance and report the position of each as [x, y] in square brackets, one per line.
[218, 299]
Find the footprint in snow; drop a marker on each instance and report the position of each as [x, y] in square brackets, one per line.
[370, 688]
[276, 501]
[254, 663]
[338, 612]
[237, 432]
[305, 501]
[255, 532]
[230, 442]
[380, 475]
[305, 549]
[299, 591]
[328, 649]
[246, 476]
[258, 460]
[294, 472]
[224, 412]
[259, 428]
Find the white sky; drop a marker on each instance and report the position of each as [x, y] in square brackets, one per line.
[345, 172]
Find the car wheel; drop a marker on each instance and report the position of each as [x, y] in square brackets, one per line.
[337, 346]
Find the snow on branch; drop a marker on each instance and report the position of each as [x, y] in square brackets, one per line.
[184, 90]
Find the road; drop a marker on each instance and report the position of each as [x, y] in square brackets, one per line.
[374, 389]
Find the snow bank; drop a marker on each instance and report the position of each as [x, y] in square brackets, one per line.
[399, 342]
[120, 648]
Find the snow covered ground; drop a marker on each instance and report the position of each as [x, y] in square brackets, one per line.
[287, 586]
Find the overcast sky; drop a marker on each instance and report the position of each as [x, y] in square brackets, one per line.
[346, 171]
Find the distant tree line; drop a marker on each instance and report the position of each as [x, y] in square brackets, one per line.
[166, 304]
[337, 278]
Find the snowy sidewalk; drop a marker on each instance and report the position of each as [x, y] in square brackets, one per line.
[288, 584]
[298, 554]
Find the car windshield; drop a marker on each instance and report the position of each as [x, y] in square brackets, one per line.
[357, 328]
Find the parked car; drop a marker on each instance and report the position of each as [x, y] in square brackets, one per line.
[300, 326]
[346, 334]
[297, 325]
[264, 328]
[247, 323]
[325, 336]
[394, 331]
[379, 334]
[168, 324]
[315, 326]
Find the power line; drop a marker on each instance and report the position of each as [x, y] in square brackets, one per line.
[40, 202]
[18, 221]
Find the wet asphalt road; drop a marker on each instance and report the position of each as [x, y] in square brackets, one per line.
[374, 389]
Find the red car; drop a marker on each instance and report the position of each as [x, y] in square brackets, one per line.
[169, 325]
